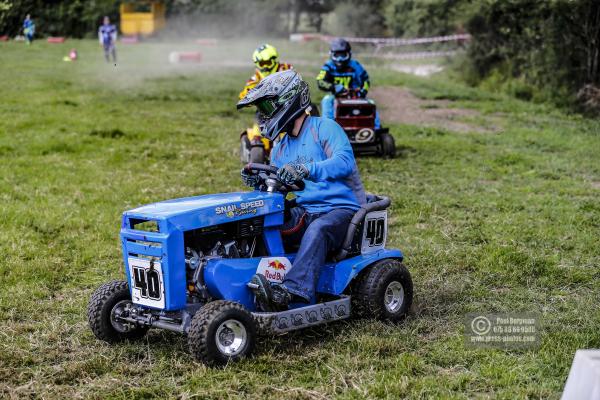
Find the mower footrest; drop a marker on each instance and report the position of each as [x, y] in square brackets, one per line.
[298, 318]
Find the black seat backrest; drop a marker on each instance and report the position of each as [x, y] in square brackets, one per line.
[356, 240]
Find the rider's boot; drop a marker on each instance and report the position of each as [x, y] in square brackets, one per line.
[261, 287]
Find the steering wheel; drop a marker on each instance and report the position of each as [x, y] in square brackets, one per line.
[271, 172]
[349, 94]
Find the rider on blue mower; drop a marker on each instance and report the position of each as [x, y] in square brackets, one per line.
[340, 75]
[314, 150]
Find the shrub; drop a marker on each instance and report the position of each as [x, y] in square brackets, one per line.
[536, 48]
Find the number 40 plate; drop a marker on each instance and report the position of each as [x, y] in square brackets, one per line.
[374, 232]
[147, 286]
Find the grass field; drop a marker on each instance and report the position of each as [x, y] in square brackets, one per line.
[500, 221]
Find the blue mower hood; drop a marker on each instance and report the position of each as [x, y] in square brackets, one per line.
[207, 210]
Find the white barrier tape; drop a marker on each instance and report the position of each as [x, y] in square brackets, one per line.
[407, 55]
[303, 37]
[403, 42]
[417, 55]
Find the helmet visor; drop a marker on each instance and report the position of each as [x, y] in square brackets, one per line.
[266, 107]
[340, 56]
[266, 64]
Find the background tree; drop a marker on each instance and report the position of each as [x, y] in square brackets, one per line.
[358, 18]
[545, 50]
[75, 18]
[314, 9]
[414, 18]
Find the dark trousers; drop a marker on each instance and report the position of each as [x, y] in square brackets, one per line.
[109, 49]
[318, 235]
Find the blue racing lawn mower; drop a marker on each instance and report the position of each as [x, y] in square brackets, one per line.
[189, 263]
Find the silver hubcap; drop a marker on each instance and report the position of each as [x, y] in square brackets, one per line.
[120, 310]
[231, 337]
[394, 297]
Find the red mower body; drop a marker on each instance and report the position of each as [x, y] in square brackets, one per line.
[356, 115]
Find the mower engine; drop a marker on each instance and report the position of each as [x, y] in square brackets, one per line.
[230, 240]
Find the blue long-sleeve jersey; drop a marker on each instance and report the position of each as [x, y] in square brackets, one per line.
[107, 34]
[350, 76]
[333, 181]
[28, 26]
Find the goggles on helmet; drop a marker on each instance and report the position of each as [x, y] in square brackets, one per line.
[340, 56]
[266, 64]
[266, 107]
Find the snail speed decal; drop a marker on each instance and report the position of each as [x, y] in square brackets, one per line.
[236, 210]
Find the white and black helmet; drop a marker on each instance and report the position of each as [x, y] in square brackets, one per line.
[280, 99]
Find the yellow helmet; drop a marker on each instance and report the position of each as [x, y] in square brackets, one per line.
[266, 59]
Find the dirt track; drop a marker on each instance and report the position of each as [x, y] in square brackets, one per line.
[398, 105]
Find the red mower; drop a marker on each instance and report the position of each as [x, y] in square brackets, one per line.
[357, 116]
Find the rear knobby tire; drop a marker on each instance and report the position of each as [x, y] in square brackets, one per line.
[387, 145]
[384, 291]
[221, 332]
[100, 308]
[257, 154]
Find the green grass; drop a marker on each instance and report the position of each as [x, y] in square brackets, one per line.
[489, 222]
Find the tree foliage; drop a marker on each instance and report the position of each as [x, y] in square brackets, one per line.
[415, 18]
[358, 18]
[552, 47]
[76, 18]
[228, 18]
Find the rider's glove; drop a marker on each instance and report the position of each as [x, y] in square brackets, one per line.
[362, 93]
[249, 179]
[291, 174]
[337, 89]
[324, 85]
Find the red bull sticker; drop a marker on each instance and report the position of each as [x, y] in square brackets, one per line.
[274, 268]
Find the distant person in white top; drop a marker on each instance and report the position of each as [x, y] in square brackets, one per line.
[107, 34]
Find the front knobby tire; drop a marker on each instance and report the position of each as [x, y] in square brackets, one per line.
[384, 291]
[221, 332]
[100, 314]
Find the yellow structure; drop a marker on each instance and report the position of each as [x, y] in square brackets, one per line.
[142, 17]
